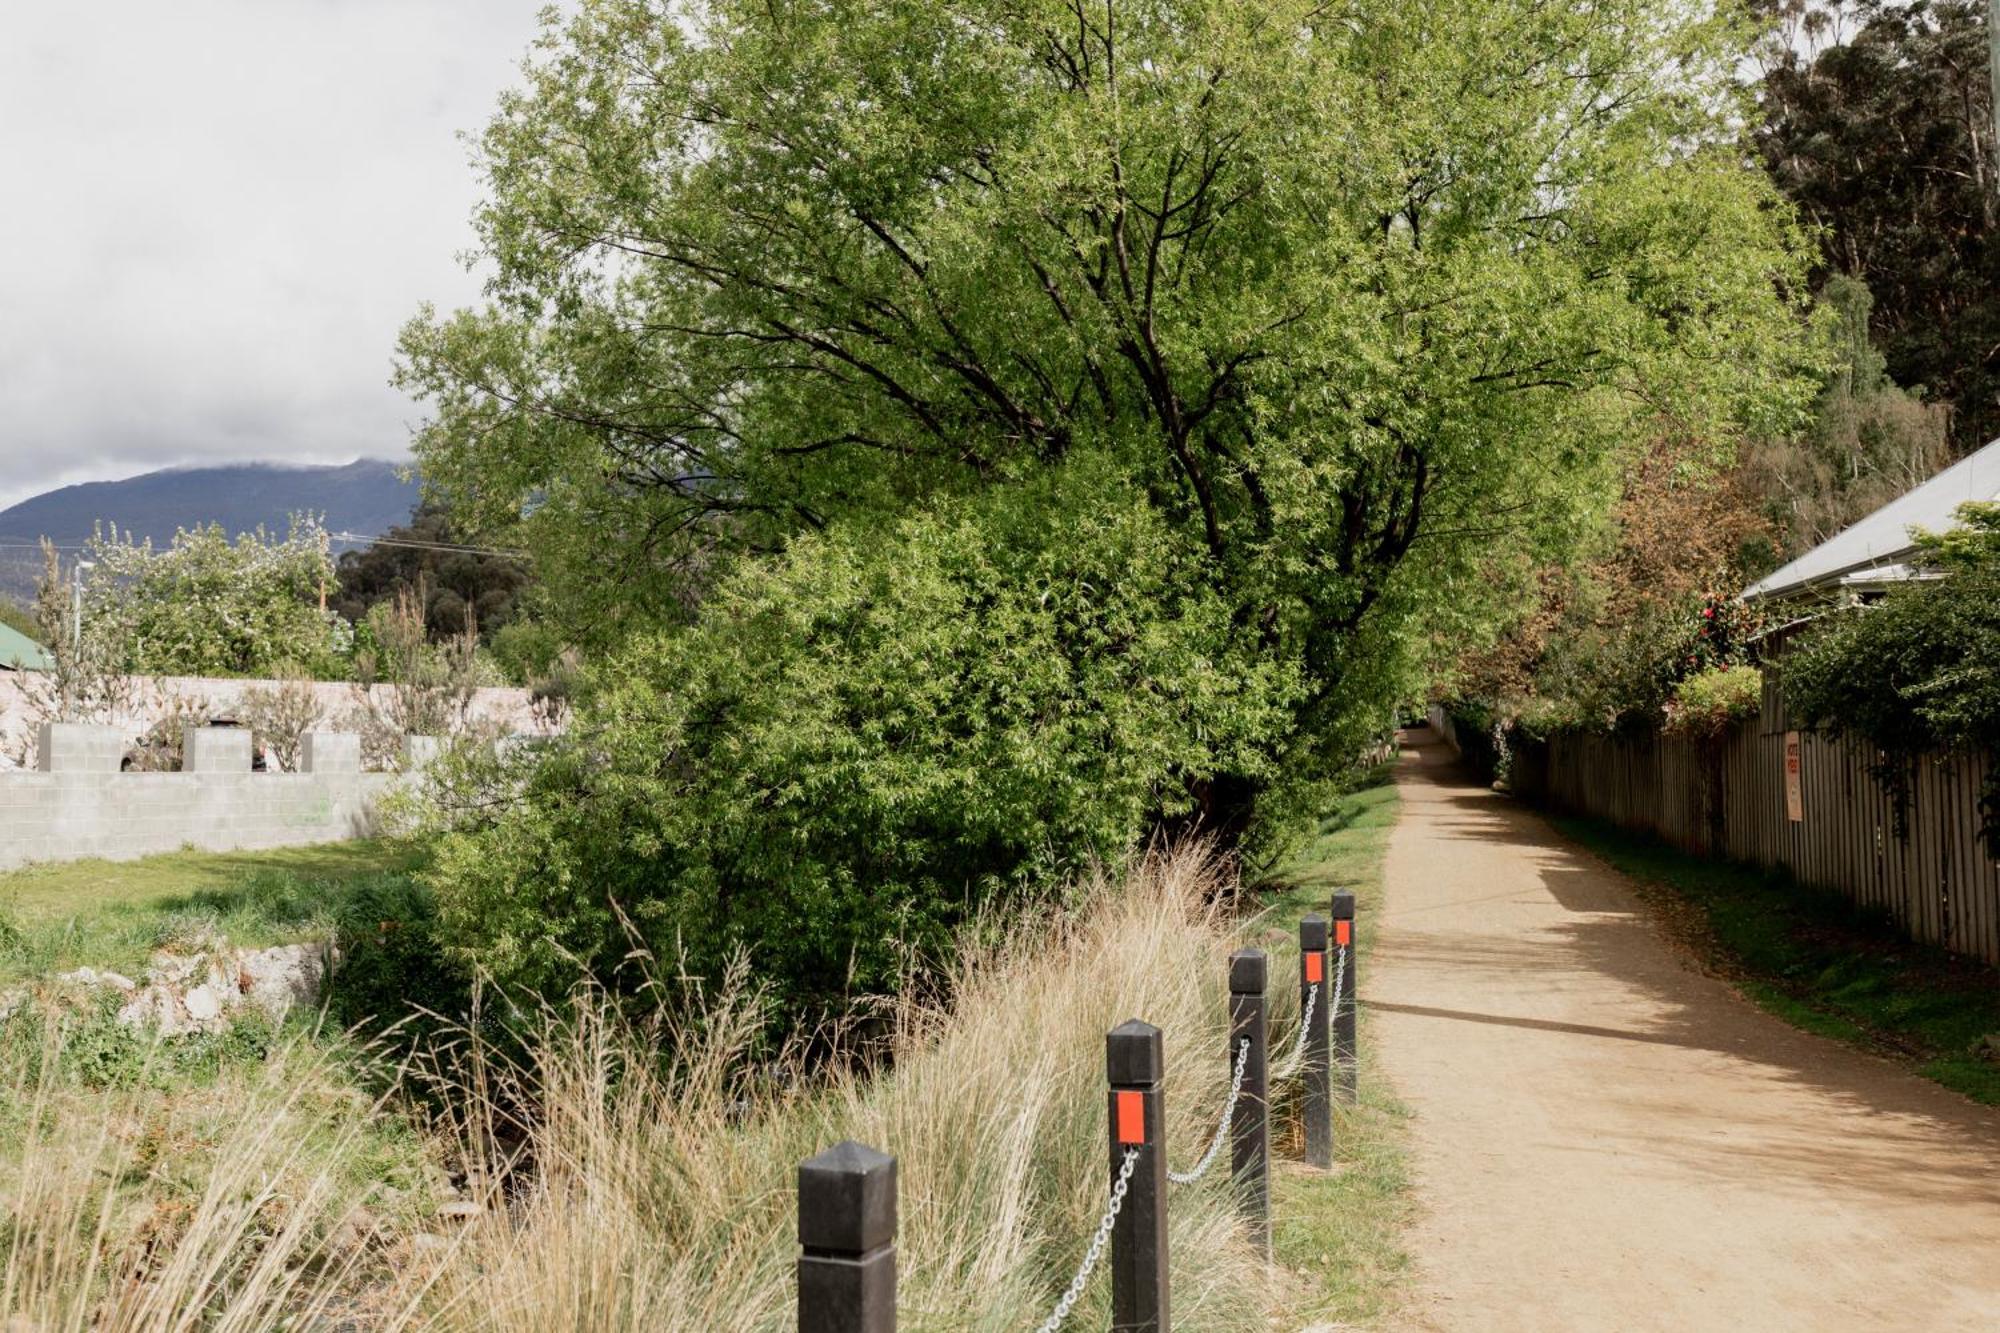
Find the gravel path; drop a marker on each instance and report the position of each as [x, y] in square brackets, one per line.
[1606, 1140]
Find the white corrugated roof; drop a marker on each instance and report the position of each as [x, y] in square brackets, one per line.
[1883, 538]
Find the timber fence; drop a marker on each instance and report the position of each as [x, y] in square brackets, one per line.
[1788, 799]
[847, 1194]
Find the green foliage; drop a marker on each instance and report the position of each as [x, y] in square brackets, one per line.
[1869, 441]
[393, 958]
[1709, 702]
[1010, 238]
[460, 586]
[1920, 670]
[207, 606]
[1308, 336]
[1883, 138]
[860, 745]
[1627, 674]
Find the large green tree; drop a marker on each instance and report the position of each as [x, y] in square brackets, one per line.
[1877, 122]
[1361, 298]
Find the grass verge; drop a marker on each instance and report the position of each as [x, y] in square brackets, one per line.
[603, 1170]
[1342, 1232]
[1817, 961]
[113, 914]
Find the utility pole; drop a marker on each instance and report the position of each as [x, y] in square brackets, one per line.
[76, 602]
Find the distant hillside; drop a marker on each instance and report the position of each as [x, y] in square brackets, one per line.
[365, 496]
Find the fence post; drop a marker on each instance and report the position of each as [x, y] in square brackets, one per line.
[1317, 1074]
[1346, 1052]
[1135, 1063]
[847, 1235]
[1250, 1145]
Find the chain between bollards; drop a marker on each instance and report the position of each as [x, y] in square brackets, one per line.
[847, 1195]
[1200, 1168]
[1074, 1291]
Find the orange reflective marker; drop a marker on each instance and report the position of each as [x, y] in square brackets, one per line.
[1343, 932]
[1131, 1117]
[1315, 967]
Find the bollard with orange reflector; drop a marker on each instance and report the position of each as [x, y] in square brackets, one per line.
[1250, 1135]
[1136, 1062]
[1315, 1000]
[1346, 1053]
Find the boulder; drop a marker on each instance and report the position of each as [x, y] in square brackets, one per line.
[277, 978]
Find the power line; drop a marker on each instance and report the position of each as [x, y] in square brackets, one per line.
[454, 548]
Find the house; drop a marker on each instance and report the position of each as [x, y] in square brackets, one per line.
[18, 652]
[1874, 553]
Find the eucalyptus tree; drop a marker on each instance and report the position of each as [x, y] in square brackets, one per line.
[1360, 300]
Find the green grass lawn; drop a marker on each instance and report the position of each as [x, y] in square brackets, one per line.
[1341, 1232]
[113, 914]
[1817, 961]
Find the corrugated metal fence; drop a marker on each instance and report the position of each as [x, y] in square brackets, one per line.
[1728, 798]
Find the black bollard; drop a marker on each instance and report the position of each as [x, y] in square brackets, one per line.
[1135, 1062]
[1346, 1052]
[847, 1234]
[1316, 992]
[1250, 1132]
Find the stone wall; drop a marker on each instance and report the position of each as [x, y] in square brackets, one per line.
[78, 803]
[504, 709]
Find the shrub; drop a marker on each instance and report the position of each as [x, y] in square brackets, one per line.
[1917, 671]
[856, 747]
[207, 606]
[1707, 704]
[391, 955]
[163, 747]
[281, 715]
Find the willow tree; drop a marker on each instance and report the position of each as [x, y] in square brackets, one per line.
[1362, 300]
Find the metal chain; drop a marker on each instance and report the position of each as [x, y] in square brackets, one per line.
[1333, 1014]
[1312, 1000]
[1097, 1242]
[1221, 1130]
[1305, 1023]
[1102, 1236]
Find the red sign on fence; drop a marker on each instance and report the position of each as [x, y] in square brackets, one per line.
[1795, 809]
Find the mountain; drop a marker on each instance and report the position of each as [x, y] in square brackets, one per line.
[365, 496]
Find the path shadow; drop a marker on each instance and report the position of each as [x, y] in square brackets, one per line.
[1923, 1143]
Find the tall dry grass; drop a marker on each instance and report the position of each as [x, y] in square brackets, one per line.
[659, 1203]
[133, 1198]
[625, 1190]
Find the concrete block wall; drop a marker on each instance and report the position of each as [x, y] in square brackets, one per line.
[79, 804]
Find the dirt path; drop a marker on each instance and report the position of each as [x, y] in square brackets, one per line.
[1607, 1140]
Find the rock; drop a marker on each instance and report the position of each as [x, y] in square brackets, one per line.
[275, 979]
[1988, 1047]
[203, 1004]
[151, 1007]
[90, 976]
[12, 1002]
[198, 992]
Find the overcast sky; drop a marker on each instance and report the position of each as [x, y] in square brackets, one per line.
[215, 214]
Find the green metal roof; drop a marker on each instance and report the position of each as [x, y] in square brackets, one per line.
[19, 652]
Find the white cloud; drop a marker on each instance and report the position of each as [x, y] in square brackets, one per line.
[215, 214]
